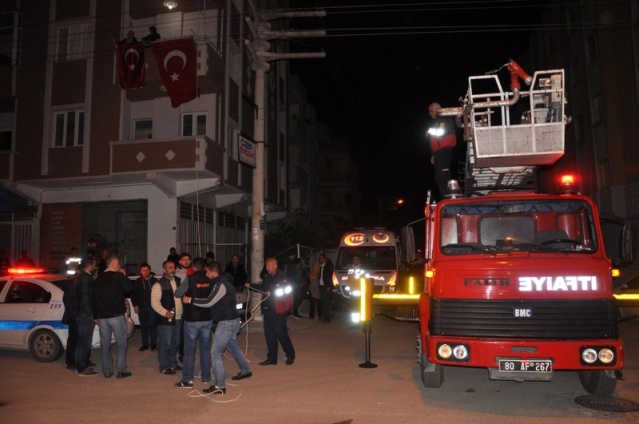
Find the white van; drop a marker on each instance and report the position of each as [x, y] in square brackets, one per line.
[380, 254]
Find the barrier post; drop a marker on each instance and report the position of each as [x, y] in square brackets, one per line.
[366, 317]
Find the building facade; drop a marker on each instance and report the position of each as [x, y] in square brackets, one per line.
[597, 43]
[107, 168]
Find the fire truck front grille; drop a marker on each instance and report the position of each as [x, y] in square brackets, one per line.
[539, 319]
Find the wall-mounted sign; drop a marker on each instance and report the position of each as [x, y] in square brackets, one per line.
[246, 150]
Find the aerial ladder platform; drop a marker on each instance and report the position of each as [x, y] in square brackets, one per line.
[509, 134]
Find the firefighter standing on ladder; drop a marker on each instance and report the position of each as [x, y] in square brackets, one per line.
[441, 139]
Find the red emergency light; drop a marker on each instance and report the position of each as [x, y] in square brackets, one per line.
[568, 184]
[26, 270]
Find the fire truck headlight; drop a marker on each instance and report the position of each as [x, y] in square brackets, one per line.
[444, 351]
[288, 290]
[460, 352]
[355, 317]
[279, 292]
[589, 355]
[356, 293]
[606, 355]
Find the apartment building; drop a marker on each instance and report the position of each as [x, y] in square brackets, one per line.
[597, 43]
[102, 167]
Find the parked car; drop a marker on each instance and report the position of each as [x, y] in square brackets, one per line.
[31, 310]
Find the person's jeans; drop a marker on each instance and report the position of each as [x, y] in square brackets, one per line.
[168, 344]
[199, 331]
[226, 338]
[85, 326]
[148, 326]
[115, 326]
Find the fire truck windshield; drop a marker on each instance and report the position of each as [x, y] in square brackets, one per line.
[540, 226]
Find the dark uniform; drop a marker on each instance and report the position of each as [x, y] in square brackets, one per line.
[141, 297]
[275, 324]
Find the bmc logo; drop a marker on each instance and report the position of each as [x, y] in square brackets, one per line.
[522, 313]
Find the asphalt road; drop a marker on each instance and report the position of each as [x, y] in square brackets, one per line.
[325, 385]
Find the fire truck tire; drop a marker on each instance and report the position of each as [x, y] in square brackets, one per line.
[598, 382]
[432, 374]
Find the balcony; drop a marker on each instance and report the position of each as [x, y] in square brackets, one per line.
[175, 165]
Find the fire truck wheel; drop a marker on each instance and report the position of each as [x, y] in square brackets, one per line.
[599, 382]
[432, 374]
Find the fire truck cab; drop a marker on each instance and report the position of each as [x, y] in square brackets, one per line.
[517, 282]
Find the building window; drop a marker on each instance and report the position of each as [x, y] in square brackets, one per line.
[72, 43]
[69, 128]
[142, 129]
[193, 124]
[591, 48]
[10, 38]
[229, 220]
[5, 140]
[192, 212]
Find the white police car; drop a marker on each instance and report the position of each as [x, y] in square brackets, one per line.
[30, 312]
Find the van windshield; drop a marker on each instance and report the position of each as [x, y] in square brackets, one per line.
[373, 258]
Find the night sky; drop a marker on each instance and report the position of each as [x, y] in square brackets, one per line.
[386, 61]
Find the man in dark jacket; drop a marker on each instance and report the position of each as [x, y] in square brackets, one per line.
[169, 313]
[326, 286]
[141, 300]
[109, 307]
[237, 272]
[84, 316]
[222, 301]
[274, 320]
[70, 306]
[197, 325]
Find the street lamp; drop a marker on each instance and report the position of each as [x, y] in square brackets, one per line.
[170, 4]
[388, 204]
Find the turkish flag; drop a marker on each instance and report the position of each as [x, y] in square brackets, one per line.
[131, 64]
[177, 64]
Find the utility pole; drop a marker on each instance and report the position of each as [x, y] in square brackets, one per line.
[258, 48]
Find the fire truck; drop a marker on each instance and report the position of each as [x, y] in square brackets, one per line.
[516, 281]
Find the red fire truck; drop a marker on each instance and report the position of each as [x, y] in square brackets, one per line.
[517, 282]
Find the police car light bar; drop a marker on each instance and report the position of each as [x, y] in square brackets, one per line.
[26, 270]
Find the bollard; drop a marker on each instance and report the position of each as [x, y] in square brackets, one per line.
[366, 317]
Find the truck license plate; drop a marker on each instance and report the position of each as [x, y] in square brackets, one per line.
[525, 365]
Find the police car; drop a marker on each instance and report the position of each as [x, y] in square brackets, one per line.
[30, 312]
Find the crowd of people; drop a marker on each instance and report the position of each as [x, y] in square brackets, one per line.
[179, 311]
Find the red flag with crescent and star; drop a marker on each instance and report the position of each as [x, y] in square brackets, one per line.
[177, 64]
[131, 64]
